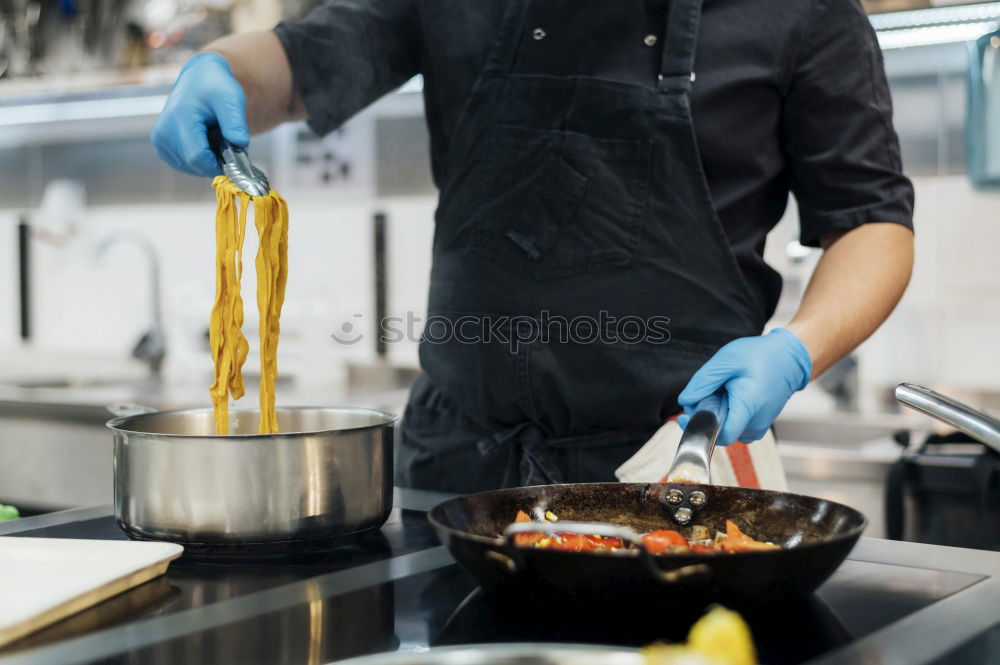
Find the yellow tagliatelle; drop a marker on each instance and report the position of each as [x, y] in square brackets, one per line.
[229, 346]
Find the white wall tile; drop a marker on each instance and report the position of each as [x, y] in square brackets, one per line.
[970, 342]
[968, 230]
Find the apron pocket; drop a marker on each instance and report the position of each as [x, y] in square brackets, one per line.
[554, 194]
[555, 204]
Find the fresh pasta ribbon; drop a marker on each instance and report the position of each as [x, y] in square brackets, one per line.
[229, 346]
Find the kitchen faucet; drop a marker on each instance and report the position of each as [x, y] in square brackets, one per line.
[841, 381]
[152, 346]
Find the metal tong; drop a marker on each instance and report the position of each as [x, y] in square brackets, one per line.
[692, 463]
[236, 165]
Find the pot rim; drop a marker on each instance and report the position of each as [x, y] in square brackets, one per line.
[120, 423]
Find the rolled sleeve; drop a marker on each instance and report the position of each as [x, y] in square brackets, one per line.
[347, 53]
[837, 128]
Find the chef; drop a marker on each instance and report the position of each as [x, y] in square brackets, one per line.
[608, 174]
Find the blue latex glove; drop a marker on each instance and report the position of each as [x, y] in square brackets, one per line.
[759, 374]
[205, 94]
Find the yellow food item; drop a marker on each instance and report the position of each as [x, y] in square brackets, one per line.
[229, 346]
[673, 654]
[723, 636]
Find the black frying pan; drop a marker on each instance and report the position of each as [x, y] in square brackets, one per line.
[816, 536]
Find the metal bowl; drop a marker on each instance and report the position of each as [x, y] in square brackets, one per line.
[326, 475]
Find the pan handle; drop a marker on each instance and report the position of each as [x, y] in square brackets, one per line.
[693, 460]
[623, 533]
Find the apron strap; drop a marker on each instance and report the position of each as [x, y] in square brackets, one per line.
[508, 37]
[677, 68]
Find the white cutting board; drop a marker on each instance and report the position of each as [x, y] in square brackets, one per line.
[44, 580]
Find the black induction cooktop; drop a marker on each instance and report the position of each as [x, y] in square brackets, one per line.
[399, 590]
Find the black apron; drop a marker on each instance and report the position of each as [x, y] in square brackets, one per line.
[575, 226]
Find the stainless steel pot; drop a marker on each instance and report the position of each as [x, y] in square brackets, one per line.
[327, 475]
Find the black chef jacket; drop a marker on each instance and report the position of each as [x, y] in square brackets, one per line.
[789, 95]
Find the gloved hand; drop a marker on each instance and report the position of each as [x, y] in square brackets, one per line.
[759, 374]
[206, 93]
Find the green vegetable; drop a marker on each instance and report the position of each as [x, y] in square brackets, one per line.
[8, 513]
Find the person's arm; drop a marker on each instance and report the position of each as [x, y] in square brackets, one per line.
[854, 201]
[323, 67]
[260, 66]
[856, 285]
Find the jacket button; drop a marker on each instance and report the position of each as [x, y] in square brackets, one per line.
[649, 40]
[538, 34]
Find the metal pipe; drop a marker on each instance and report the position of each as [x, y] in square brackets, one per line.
[152, 346]
[381, 283]
[978, 424]
[24, 276]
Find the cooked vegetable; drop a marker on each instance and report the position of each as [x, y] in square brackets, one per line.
[700, 532]
[662, 541]
[737, 541]
[8, 513]
[658, 542]
[576, 543]
[526, 539]
[561, 541]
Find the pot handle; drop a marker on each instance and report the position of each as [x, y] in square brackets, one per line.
[123, 409]
[625, 534]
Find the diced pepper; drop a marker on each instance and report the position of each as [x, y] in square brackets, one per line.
[737, 541]
[526, 539]
[569, 542]
[599, 543]
[659, 542]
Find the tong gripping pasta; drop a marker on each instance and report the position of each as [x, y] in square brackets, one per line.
[236, 165]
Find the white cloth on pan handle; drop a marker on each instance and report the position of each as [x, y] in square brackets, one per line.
[652, 462]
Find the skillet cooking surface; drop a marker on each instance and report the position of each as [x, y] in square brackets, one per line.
[816, 536]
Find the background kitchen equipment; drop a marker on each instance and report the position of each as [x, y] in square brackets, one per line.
[982, 137]
[947, 490]
[327, 477]
[70, 36]
[55, 38]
